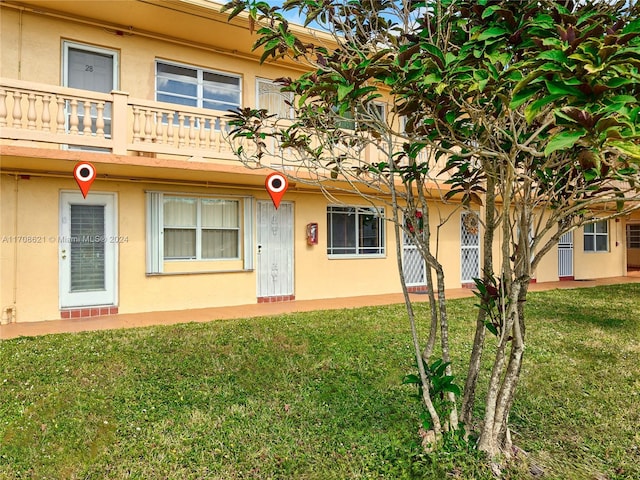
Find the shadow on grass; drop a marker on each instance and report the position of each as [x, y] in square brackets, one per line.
[590, 306]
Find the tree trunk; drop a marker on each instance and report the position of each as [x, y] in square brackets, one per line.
[468, 399]
[469, 396]
[424, 249]
[433, 329]
[498, 387]
[426, 395]
[488, 436]
[515, 365]
[444, 341]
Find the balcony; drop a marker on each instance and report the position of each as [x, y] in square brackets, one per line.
[49, 116]
[55, 117]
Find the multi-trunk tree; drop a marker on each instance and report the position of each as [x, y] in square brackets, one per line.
[527, 111]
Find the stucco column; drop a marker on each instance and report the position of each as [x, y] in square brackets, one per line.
[119, 122]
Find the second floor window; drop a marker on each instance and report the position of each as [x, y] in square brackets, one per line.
[375, 112]
[196, 87]
[272, 99]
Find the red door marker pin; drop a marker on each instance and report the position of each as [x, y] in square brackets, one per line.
[276, 185]
[85, 174]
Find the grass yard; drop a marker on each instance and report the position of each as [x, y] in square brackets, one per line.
[313, 396]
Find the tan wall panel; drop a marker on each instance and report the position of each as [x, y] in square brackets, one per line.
[40, 46]
[36, 275]
[588, 265]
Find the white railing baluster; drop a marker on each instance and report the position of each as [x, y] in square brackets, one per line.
[192, 131]
[46, 112]
[202, 140]
[100, 119]
[86, 119]
[60, 115]
[159, 127]
[136, 125]
[215, 133]
[17, 109]
[147, 126]
[210, 137]
[73, 118]
[170, 128]
[181, 129]
[31, 111]
[3, 108]
[223, 126]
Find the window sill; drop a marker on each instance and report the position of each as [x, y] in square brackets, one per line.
[195, 266]
[356, 257]
[195, 260]
[204, 272]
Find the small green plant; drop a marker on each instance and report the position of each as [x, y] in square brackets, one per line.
[493, 301]
[439, 384]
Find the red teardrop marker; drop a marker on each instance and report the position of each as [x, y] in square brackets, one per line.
[276, 185]
[85, 174]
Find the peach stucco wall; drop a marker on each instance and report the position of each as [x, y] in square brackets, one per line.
[612, 263]
[34, 202]
[31, 50]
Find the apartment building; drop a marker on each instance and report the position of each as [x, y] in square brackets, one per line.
[136, 93]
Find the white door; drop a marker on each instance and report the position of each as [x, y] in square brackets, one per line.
[413, 265]
[275, 249]
[88, 249]
[565, 256]
[469, 247]
[93, 69]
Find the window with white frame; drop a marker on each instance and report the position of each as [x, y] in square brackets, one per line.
[403, 124]
[197, 87]
[201, 228]
[270, 98]
[375, 112]
[355, 231]
[191, 228]
[596, 237]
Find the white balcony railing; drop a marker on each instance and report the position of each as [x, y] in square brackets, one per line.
[60, 117]
[113, 122]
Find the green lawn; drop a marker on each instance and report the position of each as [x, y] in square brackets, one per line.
[313, 396]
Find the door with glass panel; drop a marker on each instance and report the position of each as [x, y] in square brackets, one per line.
[87, 250]
[94, 69]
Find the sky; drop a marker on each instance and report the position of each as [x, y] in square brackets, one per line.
[292, 16]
